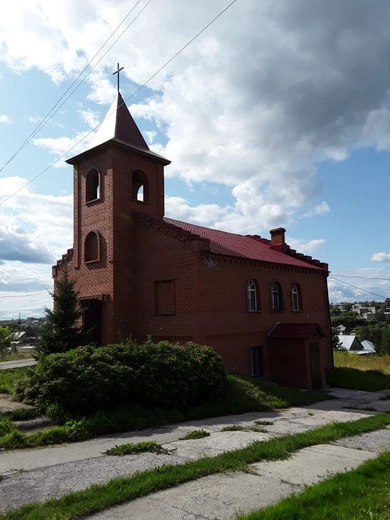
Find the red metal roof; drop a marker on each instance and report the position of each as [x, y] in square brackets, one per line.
[231, 244]
[295, 331]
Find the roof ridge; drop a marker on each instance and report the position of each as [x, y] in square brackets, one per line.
[287, 250]
[171, 229]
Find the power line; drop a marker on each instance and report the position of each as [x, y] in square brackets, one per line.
[133, 94]
[25, 295]
[361, 277]
[359, 288]
[57, 105]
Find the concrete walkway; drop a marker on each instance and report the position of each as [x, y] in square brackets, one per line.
[19, 363]
[38, 474]
[223, 496]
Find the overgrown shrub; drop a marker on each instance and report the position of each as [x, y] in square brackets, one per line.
[88, 379]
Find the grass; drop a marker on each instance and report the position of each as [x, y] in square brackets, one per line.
[117, 491]
[195, 434]
[370, 362]
[360, 494]
[368, 373]
[264, 423]
[139, 447]
[21, 414]
[240, 395]
[233, 428]
[16, 356]
[239, 428]
[8, 379]
[356, 379]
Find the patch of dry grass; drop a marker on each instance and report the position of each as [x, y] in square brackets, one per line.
[369, 362]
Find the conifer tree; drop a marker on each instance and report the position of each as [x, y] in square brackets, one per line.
[63, 331]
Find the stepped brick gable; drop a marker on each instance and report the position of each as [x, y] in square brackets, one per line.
[261, 305]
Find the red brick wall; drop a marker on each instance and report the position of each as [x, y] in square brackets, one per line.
[111, 216]
[210, 292]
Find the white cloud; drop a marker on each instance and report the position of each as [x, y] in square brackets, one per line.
[380, 257]
[43, 223]
[320, 209]
[360, 285]
[5, 119]
[305, 246]
[258, 128]
[34, 119]
[254, 104]
[36, 230]
[90, 117]
[64, 147]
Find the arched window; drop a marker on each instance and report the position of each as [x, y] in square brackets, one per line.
[276, 297]
[252, 294]
[139, 186]
[92, 247]
[296, 297]
[92, 186]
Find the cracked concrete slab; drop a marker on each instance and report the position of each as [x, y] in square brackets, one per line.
[377, 441]
[223, 496]
[38, 474]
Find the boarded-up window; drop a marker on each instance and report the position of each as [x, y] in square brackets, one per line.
[165, 296]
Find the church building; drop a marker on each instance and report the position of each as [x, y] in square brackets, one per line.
[261, 305]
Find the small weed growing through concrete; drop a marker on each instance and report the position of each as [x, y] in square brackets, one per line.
[195, 434]
[239, 428]
[233, 428]
[131, 448]
[264, 423]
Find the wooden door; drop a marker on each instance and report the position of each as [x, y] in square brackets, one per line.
[315, 365]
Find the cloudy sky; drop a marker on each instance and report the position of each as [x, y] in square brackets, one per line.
[278, 114]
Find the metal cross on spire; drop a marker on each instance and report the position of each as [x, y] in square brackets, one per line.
[117, 72]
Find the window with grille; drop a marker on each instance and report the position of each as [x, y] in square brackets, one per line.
[252, 296]
[276, 297]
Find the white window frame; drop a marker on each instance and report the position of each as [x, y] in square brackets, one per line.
[295, 298]
[252, 296]
[276, 296]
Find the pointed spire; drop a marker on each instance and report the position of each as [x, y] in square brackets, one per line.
[120, 127]
[118, 124]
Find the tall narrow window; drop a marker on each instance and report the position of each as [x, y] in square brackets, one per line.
[256, 361]
[296, 297]
[164, 292]
[92, 247]
[276, 297]
[92, 187]
[252, 296]
[139, 186]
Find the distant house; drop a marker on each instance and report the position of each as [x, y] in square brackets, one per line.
[17, 336]
[369, 345]
[353, 344]
[364, 312]
[341, 329]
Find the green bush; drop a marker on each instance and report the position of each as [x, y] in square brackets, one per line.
[89, 379]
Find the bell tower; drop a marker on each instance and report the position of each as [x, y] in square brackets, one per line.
[117, 176]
